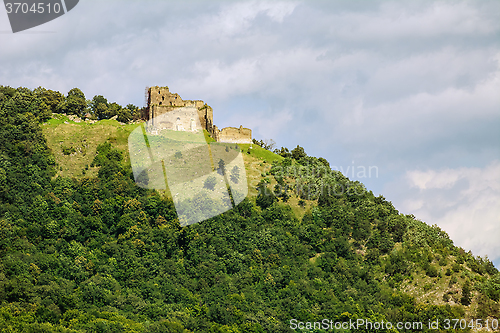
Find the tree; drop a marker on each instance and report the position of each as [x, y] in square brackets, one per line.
[75, 103]
[267, 144]
[266, 197]
[324, 161]
[133, 110]
[124, 115]
[24, 102]
[6, 93]
[101, 111]
[298, 153]
[283, 151]
[99, 106]
[114, 109]
[50, 97]
[492, 287]
[466, 297]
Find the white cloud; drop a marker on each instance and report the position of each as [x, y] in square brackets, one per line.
[256, 73]
[445, 114]
[413, 20]
[465, 202]
[401, 85]
[269, 125]
[431, 179]
[236, 18]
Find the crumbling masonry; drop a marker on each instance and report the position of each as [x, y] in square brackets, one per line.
[161, 101]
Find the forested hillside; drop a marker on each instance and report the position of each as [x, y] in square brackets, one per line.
[96, 253]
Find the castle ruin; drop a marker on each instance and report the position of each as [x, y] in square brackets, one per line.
[162, 101]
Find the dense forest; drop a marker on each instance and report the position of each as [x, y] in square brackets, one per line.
[100, 254]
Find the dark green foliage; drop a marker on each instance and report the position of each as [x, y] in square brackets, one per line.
[266, 197]
[6, 93]
[491, 288]
[104, 255]
[298, 153]
[324, 161]
[53, 99]
[114, 109]
[102, 109]
[487, 307]
[68, 150]
[431, 270]
[283, 151]
[476, 266]
[466, 294]
[74, 104]
[453, 280]
[26, 164]
[460, 259]
[489, 267]
[99, 107]
[109, 159]
[132, 111]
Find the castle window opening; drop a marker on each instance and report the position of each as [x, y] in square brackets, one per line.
[162, 98]
[159, 92]
[160, 103]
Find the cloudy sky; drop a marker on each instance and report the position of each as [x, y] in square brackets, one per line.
[409, 88]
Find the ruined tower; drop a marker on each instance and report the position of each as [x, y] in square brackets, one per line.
[161, 101]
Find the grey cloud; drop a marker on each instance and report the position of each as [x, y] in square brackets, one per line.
[395, 84]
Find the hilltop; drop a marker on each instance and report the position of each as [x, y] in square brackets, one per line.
[84, 249]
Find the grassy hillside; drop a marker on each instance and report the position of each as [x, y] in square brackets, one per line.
[94, 252]
[74, 144]
[74, 147]
[84, 138]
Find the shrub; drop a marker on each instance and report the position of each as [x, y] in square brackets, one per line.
[466, 296]
[453, 280]
[431, 271]
[68, 150]
[442, 261]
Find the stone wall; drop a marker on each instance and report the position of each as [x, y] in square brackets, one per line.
[161, 101]
[180, 119]
[163, 111]
[234, 135]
